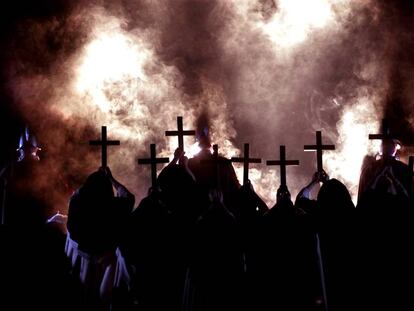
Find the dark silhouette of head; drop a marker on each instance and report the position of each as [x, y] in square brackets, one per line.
[175, 182]
[202, 131]
[334, 197]
[389, 148]
[97, 187]
[283, 200]
[283, 194]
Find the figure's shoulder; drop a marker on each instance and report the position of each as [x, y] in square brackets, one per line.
[400, 164]
[369, 162]
[224, 159]
[74, 199]
[195, 159]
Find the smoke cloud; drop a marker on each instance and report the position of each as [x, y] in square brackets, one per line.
[264, 72]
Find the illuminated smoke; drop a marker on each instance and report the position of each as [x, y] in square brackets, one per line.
[267, 72]
[295, 19]
[357, 122]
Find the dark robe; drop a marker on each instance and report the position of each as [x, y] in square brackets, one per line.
[334, 215]
[215, 275]
[34, 270]
[288, 275]
[250, 206]
[181, 196]
[149, 247]
[249, 213]
[96, 220]
[384, 245]
[205, 173]
[384, 228]
[180, 193]
[372, 168]
[97, 226]
[23, 206]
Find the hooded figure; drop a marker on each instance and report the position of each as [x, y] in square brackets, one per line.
[217, 263]
[335, 216]
[288, 274]
[210, 175]
[28, 147]
[95, 223]
[385, 173]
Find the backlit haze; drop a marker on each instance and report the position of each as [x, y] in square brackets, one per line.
[264, 72]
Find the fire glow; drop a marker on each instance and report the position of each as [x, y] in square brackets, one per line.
[295, 19]
[134, 76]
[109, 59]
[111, 75]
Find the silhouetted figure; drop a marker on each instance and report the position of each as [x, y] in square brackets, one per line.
[335, 221]
[333, 218]
[28, 146]
[148, 251]
[217, 261]
[303, 198]
[385, 233]
[179, 189]
[288, 273]
[181, 196]
[250, 205]
[156, 243]
[249, 213]
[250, 209]
[34, 269]
[216, 271]
[384, 173]
[209, 174]
[21, 206]
[384, 230]
[96, 219]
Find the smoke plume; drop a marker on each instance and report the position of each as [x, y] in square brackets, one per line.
[263, 71]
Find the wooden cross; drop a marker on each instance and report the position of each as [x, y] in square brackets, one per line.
[283, 163]
[153, 161]
[104, 143]
[246, 160]
[180, 133]
[385, 135]
[319, 147]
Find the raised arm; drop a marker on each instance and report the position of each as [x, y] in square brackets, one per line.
[121, 190]
[316, 178]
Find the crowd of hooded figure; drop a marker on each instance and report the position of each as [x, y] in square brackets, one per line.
[201, 241]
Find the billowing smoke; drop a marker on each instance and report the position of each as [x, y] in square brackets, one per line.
[264, 72]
